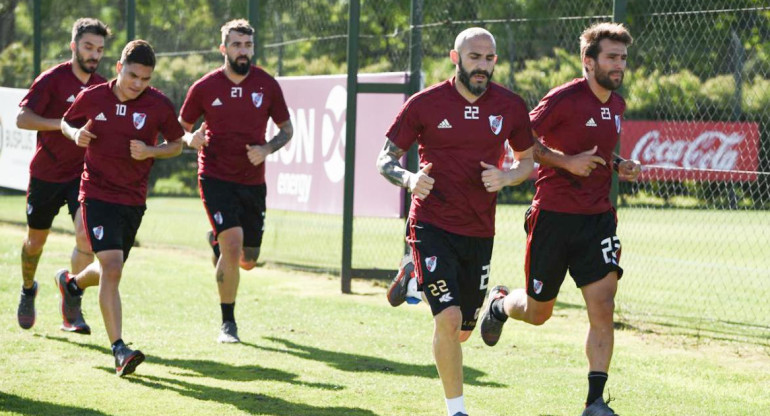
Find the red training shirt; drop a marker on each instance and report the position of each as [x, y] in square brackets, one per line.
[235, 115]
[456, 136]
[570, 118]
[111, 174]
[57, 158]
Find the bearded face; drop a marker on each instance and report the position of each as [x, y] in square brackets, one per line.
[609, 79]
[476, 81]
[240, 64]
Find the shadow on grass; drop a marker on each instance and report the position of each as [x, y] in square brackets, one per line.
[26, 406]
[364, 363]
[254, 403]
[212, 369]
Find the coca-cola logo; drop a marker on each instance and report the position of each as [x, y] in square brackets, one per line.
[711, 149]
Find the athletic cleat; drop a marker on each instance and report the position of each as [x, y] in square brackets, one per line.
[399, 285]
[491, 327]
[460, 414]
[599, 408]
[214, 244]
[126, 360]
[229, 333]
[26, 313]
[69, 304]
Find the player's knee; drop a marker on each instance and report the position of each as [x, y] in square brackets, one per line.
[230, 247]
[601, 310]
[33, 245]
[111, 271]
[248, 265]
[464, 335]
[249, 258]
[448, 322]
[541, 316]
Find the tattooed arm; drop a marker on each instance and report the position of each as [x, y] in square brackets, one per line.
[283, 136]
[389, 166]
[580, 164]
[257, 153]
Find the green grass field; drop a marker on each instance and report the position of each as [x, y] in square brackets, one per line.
[309, 350]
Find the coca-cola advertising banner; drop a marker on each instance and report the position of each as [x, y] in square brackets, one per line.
[702, 151]
[308, 173]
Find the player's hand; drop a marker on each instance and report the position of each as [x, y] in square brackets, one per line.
[493, 178]
[629, 170]
[199, 139]
[257, 154]
[139, 150]
[83, 135]
[420, 184]
[582, 164]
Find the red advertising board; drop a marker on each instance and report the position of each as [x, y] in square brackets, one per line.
[308, 173]
[701, 151]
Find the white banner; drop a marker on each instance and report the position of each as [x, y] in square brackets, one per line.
[16, 146]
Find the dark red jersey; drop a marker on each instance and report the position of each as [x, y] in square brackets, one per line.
[456, 136]
[57, 158]
[110, 173]
[235, 115]
[571, 119]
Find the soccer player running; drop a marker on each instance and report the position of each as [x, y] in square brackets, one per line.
[55, 169]
[571, 224]
[118, 123]
[236, 101]
[460, 126]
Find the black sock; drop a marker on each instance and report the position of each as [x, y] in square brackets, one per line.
[117, 344]
[228, 312]
[596, 380]
[498, 309]
[30, 291]
[73, 288]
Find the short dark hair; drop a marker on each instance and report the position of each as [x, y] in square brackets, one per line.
[238, 25]
[89, 25]
[138, 52]
[590, 38]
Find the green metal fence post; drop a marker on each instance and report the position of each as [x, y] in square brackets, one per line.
[618, 16]
[415, 75]
[354, 15]
[130, 20]
[37, 35]
[253, 13]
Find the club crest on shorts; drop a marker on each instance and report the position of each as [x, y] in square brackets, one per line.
[256, 98]
[29, 209]
[538, 286]
[139, 119]
[496, 124]
[430, 263]
[98, 232]
[617, 123]
[218, 217]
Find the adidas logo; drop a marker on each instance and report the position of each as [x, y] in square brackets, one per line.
[590, 122]
[216, 102]
[71, 99]
[100, 117]
[444, 125]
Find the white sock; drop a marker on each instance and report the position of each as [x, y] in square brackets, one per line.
[455, 405]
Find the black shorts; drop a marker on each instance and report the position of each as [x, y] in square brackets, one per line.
[453, 270]
[586, 245]
[44, 199]
[111, 226]
[230, 204]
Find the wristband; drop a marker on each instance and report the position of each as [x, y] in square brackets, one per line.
[616, 164]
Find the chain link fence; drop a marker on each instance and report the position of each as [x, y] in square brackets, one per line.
[695, 235]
